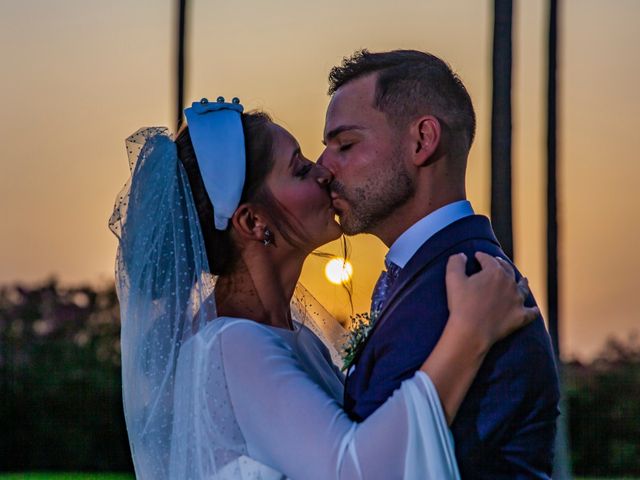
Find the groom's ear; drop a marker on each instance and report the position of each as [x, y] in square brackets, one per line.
[425, 136]
[248, 222]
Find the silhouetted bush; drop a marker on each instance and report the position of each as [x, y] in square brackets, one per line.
[604, 411]
[60, 380]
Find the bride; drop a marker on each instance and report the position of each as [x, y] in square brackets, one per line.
[235, 382]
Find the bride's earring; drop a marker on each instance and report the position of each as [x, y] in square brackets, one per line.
[268, 237]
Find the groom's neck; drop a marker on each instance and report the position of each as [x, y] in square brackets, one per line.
[424, 202]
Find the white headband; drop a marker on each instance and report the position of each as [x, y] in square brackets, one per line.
[218, 141]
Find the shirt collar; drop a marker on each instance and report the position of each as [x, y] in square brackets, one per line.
[407, 244]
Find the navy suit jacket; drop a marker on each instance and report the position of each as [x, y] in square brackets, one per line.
[506, 426]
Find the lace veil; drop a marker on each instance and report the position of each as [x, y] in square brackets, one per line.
[166, 295]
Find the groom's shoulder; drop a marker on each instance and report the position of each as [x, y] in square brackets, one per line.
[471, 235]
[418, 310]
[421, 300]
[468, 235]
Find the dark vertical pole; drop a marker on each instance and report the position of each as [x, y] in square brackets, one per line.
[180, 63]
[501, 209]
[552, 193]
[562, 463]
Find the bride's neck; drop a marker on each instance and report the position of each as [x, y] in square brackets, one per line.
[260, 287]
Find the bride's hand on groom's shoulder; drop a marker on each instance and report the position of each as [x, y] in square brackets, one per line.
[488, 305]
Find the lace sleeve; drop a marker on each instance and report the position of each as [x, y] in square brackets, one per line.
[308, 311]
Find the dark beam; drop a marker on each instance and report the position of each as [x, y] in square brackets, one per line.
[552, 179]
[180, 60]
[501, 195]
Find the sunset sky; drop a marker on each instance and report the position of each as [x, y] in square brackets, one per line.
[79, 76]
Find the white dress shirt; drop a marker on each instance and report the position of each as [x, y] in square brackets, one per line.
[407, 244]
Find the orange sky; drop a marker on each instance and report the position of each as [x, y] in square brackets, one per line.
[78, 77]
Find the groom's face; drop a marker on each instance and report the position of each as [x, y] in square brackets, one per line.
[367, 158]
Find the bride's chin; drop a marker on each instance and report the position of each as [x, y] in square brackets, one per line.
[331, 233]
[336, 233]
[335, 230]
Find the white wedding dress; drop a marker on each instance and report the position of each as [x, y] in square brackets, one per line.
[259, 402]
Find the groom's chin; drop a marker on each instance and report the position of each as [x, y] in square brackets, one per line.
[348, 225]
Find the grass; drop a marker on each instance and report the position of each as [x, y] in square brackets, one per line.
[65, 476]
[125, 476]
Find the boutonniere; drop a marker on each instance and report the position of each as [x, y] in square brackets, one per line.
[361, 325]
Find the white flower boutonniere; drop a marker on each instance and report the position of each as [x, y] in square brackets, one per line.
[361, 325]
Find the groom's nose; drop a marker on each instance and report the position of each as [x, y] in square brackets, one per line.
[323, 175]
[325, 161]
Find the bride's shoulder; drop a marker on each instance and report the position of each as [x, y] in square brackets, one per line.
[245, 333]
[243, 344]
[237, 324]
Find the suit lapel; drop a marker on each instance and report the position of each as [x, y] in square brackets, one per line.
[467, 228]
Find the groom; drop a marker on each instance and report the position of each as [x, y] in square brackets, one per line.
[398, 132]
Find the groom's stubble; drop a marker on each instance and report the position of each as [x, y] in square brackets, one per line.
[377, 198]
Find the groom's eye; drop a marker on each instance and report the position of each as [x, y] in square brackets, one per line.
[345, 147]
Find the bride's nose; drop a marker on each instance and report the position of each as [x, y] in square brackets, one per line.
[323, 175]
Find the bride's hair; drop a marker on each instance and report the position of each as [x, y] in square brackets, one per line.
[221, 251]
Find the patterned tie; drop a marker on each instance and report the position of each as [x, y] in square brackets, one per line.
[383, 285]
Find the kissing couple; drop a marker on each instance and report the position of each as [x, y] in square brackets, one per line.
[226, 359]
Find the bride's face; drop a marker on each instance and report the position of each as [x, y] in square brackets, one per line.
[301, 188]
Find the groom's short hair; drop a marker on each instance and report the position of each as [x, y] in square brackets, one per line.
[409, 84]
